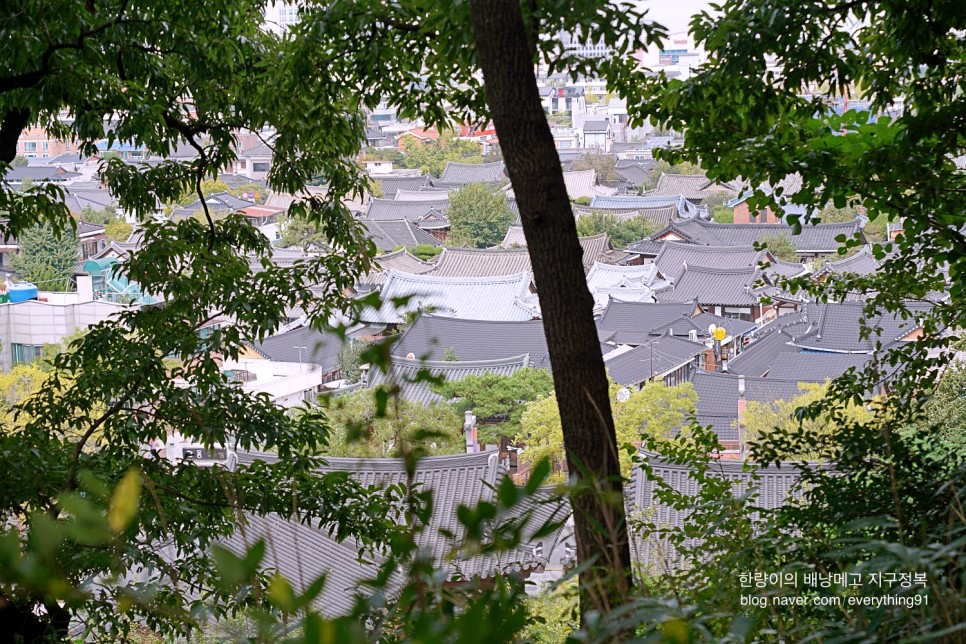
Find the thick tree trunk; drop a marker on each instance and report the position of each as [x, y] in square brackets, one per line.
[555, 253]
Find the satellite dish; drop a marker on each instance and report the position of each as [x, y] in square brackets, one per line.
[711, 329]
[410, 356]
[623, 394]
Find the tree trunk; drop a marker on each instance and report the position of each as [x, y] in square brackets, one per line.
[555, 253]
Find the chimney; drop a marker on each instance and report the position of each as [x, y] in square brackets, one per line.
[469, 433]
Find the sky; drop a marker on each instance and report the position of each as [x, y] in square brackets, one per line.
[673, 14]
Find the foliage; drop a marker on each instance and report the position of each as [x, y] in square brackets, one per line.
[723, 215]
[101, 217]
[499, 398]
[622, 231]
[208, 187]
[375, 189]
[260, 192]
[15, 385]
[556, 610]
[479, 215]
[763, 419]
[656, 410]
[350, 361]
[295, 230]
[431, 156]
[450, 355]
[20, 161]
[605, 165]
[426, 251]
[582, 201]
[780, 246]
[46, 259]
[560, 118]
[661, 166]
[357, 429]
[118, 230]
[715, 200]
[942, 424]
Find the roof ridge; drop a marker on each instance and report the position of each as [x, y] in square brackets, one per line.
[460, 364]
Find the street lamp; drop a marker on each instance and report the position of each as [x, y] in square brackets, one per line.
[301, 349]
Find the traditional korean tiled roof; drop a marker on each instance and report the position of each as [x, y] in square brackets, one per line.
[836, 328]
[458, 174]
[514, 238]
[633, 322]
[724, 286]
[218, 202]
[414, 211]
[594, 246]
[676, 257]
[861, 263]
[691, 186]
[405, 373]
[583, 183]
[660, 216]
[634, 172]
[401, 260]
[806, 366]
[772, 342]
[668, 353]
[392, 184]
[813, 239]
[303, 344]
[685, 208]
[259, 150]
[388, 235]
[302, 552]
[481, 262]
[775, 487]
[430, 336]
[421, 195]
[699, 324]
[474, 298]
[718, 398]
[608, 280]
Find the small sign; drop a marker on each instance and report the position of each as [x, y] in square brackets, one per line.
[623, 395]
[201, 454]
[720, 334]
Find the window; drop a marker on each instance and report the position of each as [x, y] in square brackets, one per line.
[259, 167]
[21, 353]
[30, 146]
[45, 146]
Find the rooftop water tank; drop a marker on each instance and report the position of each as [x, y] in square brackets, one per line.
[22, 292]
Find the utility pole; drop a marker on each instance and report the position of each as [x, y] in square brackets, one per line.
[301, 349]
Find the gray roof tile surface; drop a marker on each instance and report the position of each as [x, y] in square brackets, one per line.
[407, 373]
[430, 336]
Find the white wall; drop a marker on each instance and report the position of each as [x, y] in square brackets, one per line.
[37, 323]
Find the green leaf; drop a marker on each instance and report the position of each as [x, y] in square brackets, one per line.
[124, 501]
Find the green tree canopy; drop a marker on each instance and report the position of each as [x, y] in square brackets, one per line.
[46, 259]
[657, 410]
[622, 231]
[431, 156]
[479, 215]
[500, 398]
[357, 428]
[781, 247]
[605, 165]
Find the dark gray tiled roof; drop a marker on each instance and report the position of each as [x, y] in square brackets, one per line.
[691, 186]
[595, 125]
[388, 235]
[814, 238]
[303, 552]
[675, 257]
[633, 322]
[718, 397]
[724, 286]
[816, 367]
[37, 174]
[761, 355]
[776, 486]
[862, 263]
[635, 366]
[700, 323]
[430, 336]
[685, 208]
[593, 246]
[319, 348]
[390, 184]
[404, 372]
[401, 260]
[414, 211]
[836, 328]
[220, 201]
[481, 262]
[462, 173]
[660, 216]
